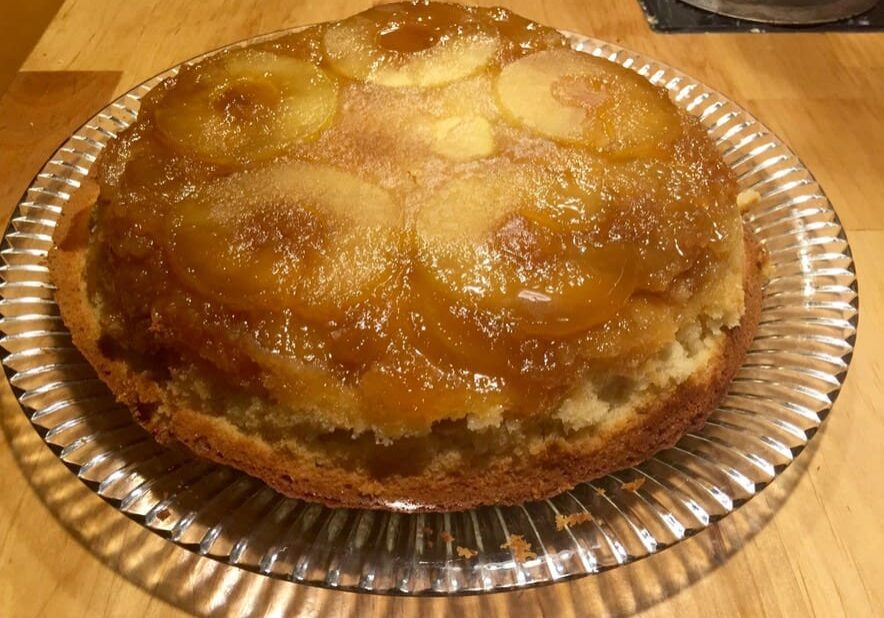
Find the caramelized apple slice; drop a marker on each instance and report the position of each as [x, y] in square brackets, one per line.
[577, 98]
[476, 250]
[422, 46]
[246, 106]
[310, 237]
[567, 204]
[407, 392]
[577, 293]
[454, 334]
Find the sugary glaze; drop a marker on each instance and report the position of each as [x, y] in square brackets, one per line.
[422, 212]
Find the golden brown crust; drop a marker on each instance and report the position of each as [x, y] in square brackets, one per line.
[551, 465]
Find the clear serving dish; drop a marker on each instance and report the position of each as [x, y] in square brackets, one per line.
[776, 403]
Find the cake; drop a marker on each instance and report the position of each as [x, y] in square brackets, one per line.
[425, 258]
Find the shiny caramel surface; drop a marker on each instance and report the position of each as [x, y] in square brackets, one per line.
[423, 212]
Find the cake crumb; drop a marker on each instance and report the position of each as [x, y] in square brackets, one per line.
[446, 536]
[566, 521]
[600, 491]
[520, 547]
[633, 486]
[427, 531]
[746, 199]
[163, 514]
[466, 552]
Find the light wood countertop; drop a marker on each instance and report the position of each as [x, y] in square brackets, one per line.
[811, 544]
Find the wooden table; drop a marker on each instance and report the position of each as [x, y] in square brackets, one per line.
[812, 543]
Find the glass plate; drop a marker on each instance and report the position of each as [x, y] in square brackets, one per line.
[776, 403]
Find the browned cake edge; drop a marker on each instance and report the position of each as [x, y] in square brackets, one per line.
[546, 467]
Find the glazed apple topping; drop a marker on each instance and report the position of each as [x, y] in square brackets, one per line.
[415, 213]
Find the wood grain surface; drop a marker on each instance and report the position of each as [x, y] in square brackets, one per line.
[811, 544]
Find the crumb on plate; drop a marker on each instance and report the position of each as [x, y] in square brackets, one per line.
[746, 199]
[566, 521]
[520, 547]
[633, 486]
[466, 552]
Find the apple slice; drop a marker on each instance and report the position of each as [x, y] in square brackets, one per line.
[476, 250]
[245, 106]
[299, 235]
[570, 202]
[419, 46]
[407, 392]
[576, 98]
